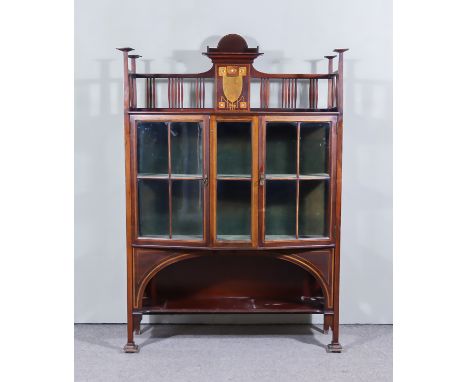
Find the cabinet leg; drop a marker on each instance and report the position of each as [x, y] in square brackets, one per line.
[327, 322]
[334, 346]
[137, 323]
[130, 347]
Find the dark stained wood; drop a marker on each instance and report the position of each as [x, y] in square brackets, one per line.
[255, 181]
[206, 181]
[147, 93]
[154, 93]
[340, 79]
[229, 305]
[249, 267]
[126, 78]
[172, 275]
[251, 112]
[311, 94]
[262, 93]
[133, 100]
[327, 322]
[330, 81]
[283, 93]
[169, 84]
[130, 346]
[203, 283]
[173, 93]
[232, 43]
[203, 93]
[298, 183]
[261, 183]
[169, 174]
[295, 93]
[197, 93]
[267, 97]
[335, 345]
[184, 245]
[316, 94]
[181, 92]
[232, 49]
[333, 92]
[213, 181]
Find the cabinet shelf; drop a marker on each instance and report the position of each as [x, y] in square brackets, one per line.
[280, 237]
[225, 304]
[153, 176]
[294, 177]
[186, 176]
[187, 237]
[173, 176]
[233, 177]
[233, 237]
[236, 176]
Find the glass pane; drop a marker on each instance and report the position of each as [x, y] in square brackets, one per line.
[314, 148]
[152, 148]
[234, 148]
[187, 209]
[313, 195]
[280, 210]
[186, 148]
[281, 148]
[153, 205]
[233, 210]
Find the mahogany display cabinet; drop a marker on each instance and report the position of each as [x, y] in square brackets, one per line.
[233, 189]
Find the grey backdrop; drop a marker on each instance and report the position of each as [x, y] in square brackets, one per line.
[294, 35]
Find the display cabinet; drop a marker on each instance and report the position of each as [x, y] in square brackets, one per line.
[233, 189]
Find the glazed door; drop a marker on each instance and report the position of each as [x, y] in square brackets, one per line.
[169, 159]
[234, 180]
[296, 180]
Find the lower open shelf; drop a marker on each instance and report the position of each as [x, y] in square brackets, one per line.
[226, 304]
[232, 283]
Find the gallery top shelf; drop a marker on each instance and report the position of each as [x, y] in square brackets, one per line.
[233, 85]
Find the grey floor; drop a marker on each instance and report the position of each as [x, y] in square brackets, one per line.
[244, 353]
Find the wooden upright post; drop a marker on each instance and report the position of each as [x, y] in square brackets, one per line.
[130, 347]
[331, 94]
[126, 82]
[340, 79]
[133, 97]
[335, 346]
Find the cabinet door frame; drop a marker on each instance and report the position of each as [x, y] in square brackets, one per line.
[331, 205]
[145, 240]
[254, 181]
